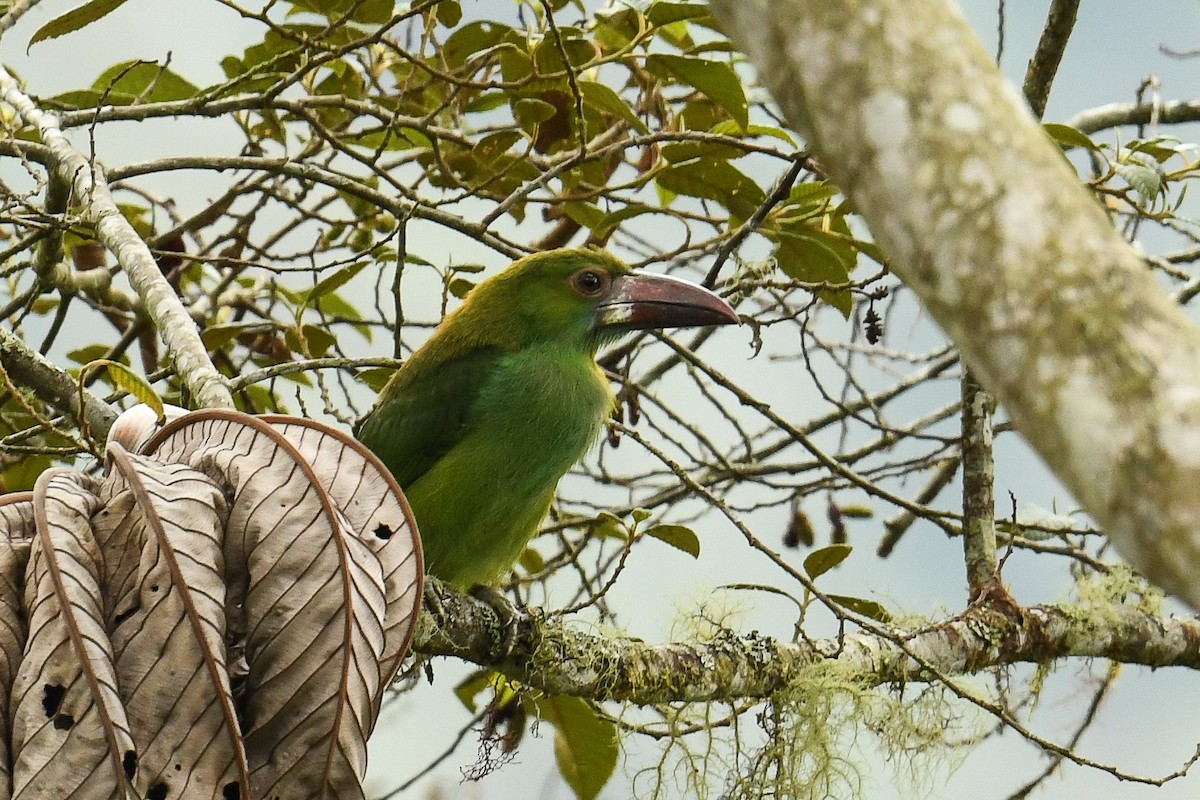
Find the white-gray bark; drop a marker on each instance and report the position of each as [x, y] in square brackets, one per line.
[983, 218]
[164, 308]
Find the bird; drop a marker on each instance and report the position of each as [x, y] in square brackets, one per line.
[481, 422]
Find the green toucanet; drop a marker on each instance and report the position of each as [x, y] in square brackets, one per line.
[482, 421]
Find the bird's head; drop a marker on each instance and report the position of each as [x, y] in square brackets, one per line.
[589, 297]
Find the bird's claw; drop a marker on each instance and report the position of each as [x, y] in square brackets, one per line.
[506, 618]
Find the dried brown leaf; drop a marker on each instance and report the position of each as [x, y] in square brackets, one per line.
[70, 733]
[170, 645]
[364, 489]
[314, 606]
[17, 530]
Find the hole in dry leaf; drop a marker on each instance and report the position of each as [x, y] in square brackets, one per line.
[64, 722]
[129, 764]
[124, 615]
[158, 791]
[154, 587]
[231, 791]
[383, 531]
[52, 697]
[179, 767]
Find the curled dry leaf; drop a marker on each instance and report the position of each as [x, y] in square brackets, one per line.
[217, 619]
[168, 634]
[16, 532]
[70, 734]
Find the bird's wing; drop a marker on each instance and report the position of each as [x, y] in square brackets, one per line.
[414, 426]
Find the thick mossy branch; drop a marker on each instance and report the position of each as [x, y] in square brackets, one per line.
[557, 659]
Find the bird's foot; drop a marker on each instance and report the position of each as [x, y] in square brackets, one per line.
[431, 601]
[507, 616]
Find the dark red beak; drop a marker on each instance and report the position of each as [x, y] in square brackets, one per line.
[644, 300]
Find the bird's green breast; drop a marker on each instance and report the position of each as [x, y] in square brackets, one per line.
[536, 415]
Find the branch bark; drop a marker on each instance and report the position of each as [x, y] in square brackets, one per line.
[983, 218]
[187, 353]
[57, 387]
[559, 660]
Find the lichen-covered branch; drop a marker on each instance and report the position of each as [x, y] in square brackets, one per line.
[1039, 76]
[555, 658]
[1113, 115]
[979, 478]
[53, 385]
[987, 223]
[163, 306]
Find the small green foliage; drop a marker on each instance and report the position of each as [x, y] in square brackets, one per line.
[716, 79]
[821, 561]
[75, 19]
[586, 746]
[854, 511]
[131, 82]
[332, 283]
[127, 380]
[1067, 137]
[861, 605]
[680, 537]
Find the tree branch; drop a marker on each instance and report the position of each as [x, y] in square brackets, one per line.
[188, 354]
[559, 660]
[1039, 76]
[1097, 366]
[1114, 115]
[58, 388]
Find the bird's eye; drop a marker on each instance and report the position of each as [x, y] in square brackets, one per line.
[590, 282]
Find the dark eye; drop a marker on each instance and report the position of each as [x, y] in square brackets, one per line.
[590, 282]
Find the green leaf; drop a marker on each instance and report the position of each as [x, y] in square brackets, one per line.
[75, 19]
[640, 515]
[717, 180]
[728, 127]
[1068, 137]
[678, 536]
[716, 79]
[811, 193]
[608, 526]
[313, 340]
[860, 605]
[611, 221]
[333, 282]
[136, 81]
[472, 40]
[126, 379]
[217, 336]
[21, 475]
[470, 687]
[588, 215]
[821, 561]
[375, 377]
[531, 561]
[664, 13]
[857, 512]
[1145, 179]
[585, 746]
[530, 112]
[487, 101]
[449, 13]
[602, 97]
[88, 353]
[460, 287]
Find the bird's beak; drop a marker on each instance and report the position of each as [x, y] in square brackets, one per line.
[642, 300]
